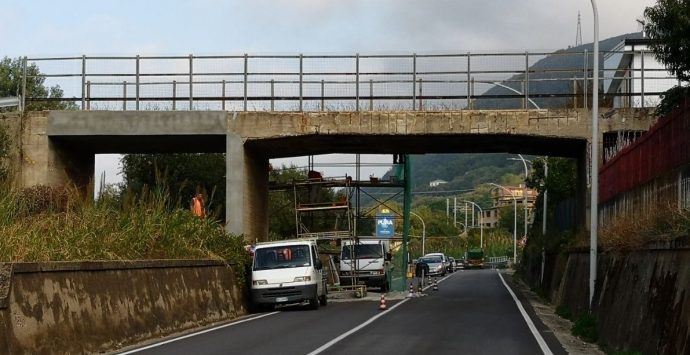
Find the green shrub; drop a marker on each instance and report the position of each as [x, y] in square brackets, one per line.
[564, 311]
[585, 328]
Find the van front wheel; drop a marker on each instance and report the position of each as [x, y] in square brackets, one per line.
[323, 300]
[314, 303]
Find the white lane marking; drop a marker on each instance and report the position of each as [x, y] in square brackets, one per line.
[542, 344]
[197, 333]
[355, 329]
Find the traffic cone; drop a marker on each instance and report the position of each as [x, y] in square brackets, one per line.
[435, 285]
[382, 305]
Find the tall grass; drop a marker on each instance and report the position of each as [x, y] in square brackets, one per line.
[48, 224]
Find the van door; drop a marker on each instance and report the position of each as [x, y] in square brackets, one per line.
[318, 273]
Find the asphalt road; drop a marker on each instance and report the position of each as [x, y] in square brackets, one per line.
[471, 313]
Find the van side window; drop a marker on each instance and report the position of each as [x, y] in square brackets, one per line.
[314, 255]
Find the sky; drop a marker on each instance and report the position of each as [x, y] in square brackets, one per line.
[46, 28]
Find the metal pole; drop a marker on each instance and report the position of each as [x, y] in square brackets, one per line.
[272, 95]
[191, 82]
[526, 90]
[514, 219]
[406, 210]
[88, 95]
[83, 81]
[246, 77]
[124, 96]
[301, 80]
[414, 81]
[524, 194]
[24, 70]
[371, 95]
[594, 169]
[423, 231]
[642, 79]
[466, 215]
[421, 103]
[323, 91]
[468, 80]
[584, 81]
[357, 82]
[223, 93]
[455, 211]
[136, 88]
[543, 221]
[174, 92]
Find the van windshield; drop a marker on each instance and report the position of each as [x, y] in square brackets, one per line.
[281, 257]
[362, 251]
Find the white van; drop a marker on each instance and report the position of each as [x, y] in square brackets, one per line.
[372, 258]
[288, 272]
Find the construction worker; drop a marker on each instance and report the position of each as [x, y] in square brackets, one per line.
[197, 205]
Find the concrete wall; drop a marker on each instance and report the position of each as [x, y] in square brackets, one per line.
[642, 298]
[84, 307]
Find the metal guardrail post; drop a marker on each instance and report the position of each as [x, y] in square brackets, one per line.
[642, 78]
[83, 81]
[88, 95]
[421, 103]
[301, 81]
[191, 82]
[246, 78]
[124, 96]
[136, 88]
[357, 82]
[371, 95]
[469, 89]
[222, 105]
[584, 81]
[24, 70]
[174, 95]
[414, 81]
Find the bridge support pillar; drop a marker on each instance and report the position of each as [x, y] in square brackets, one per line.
[45, 161]
[246, 186]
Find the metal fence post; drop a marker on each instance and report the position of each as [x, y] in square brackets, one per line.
[414, 81]
[371, 95]
[468, 79]
[357, 82]
[323, 91]
[191, 82]
[301, 80]
[24, 69]
[223, 93]
[272, 95]
[136, 88]
[421, 103]
[584, 81]
[83, 81]
[88, 95]
[174, 95]
[526, 89]
[642, 78]
[124, 95]
[246, 78]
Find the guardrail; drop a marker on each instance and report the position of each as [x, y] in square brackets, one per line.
[333, 82]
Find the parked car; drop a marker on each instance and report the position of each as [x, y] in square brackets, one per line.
[446, 262]
[435, 265]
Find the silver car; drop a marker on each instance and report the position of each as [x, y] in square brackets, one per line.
[435, 263]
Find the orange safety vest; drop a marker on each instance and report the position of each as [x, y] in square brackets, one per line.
[198, 207]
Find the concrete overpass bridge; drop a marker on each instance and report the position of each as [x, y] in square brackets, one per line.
[60, 146]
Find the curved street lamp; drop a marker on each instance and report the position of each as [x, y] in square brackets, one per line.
[514, 219]
[524, 189]
[481, 222]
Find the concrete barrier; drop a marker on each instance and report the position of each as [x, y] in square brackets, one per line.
[84, 307]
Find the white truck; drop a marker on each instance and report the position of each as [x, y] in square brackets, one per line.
[366, 261]
[288, 272]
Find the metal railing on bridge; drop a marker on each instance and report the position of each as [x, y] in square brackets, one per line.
[337, 82]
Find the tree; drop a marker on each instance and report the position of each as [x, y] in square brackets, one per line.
[668, 24]
[11, 74]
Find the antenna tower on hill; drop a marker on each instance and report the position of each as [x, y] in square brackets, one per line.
[578, 36]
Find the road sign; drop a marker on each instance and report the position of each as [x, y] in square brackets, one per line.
[385, 224]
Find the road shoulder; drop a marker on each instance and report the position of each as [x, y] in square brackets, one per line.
[554, 329]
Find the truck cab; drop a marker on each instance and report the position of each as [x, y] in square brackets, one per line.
[365, 261]
[288, 272]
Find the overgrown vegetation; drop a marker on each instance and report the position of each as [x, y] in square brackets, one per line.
[4, 154]
[585, 328]
[56, 224]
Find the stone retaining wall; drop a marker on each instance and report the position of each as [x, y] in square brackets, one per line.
[83, 307]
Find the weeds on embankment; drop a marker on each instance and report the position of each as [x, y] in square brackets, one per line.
[61, 224]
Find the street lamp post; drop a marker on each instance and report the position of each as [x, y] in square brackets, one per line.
[594, 169]
[423, 230]
[481, 222]
[517, 92]
[514, 219]
[524, 188]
